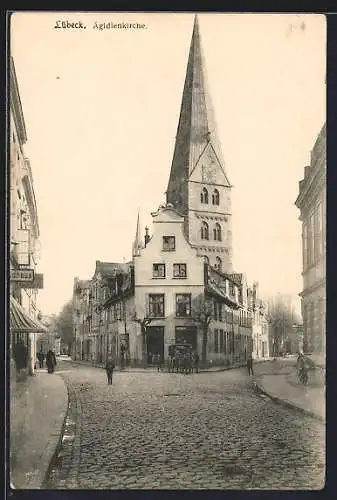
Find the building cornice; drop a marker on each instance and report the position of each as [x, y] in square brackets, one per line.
[16, 106]
[310, 189]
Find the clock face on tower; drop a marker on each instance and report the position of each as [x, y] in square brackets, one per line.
[209, 174]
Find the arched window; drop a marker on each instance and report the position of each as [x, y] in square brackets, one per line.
[218, 264]
[204, 231]
[217, 232]
[206, 259]
[204, 196]
[215, 197]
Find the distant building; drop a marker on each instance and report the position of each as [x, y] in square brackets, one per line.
[311, 202]
[260, 324]
[24, 226]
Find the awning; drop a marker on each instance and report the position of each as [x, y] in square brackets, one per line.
[21, 322]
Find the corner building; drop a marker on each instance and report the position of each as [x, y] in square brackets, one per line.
[311, 202]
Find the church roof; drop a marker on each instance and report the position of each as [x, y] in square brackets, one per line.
[111, 268]
[196, 128]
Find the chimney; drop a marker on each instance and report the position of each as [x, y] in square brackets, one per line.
[147, 237]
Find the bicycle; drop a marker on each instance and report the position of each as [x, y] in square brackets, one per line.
[303, 376]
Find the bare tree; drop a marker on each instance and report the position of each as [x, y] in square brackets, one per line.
[282, 317]
[64, 324]
[144, 322]
[202, 312]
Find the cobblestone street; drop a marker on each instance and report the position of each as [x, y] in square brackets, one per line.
[169, 431]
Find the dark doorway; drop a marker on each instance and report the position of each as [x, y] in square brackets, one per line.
[186, 335]
[155, 342]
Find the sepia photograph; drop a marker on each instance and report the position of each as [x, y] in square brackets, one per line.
[166, 250]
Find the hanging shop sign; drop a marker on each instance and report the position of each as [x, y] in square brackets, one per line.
[24, 275]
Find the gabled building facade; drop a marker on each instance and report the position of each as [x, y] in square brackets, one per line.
[311, 202]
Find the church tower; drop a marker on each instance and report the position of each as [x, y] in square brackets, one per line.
[198, 186]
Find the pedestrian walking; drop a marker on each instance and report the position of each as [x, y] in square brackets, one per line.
[159, 363]
[122, 356]
[40, 358]
[51, 361]
[109, 368]
[196, 361]
[250, 365]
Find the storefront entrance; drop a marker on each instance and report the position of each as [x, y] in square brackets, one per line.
[155, 342]
[186, 335]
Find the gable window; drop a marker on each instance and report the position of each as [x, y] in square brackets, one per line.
[183, 304]
[204, 231]
[215, 197]
[169, 243]
[218, 264]
[179, 271]
[158, 271]
[217, 232]
[204, 196]
[156, 305]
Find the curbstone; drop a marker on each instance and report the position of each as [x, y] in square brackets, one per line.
[57, 437]
[283, 402]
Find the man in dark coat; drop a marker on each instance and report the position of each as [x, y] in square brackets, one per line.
[196, 361]
[109, 368]
[41, 357]
[50, 361]
[250, 365]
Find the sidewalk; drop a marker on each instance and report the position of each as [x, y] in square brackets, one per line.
[38, 409]
[281, 384]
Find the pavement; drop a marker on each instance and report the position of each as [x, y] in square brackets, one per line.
[153, 430]
[281, 384]
[38, 409]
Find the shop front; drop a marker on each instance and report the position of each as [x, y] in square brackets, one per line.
[23, 330]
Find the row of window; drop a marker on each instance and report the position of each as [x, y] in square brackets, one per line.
[157, 305]
[179, 271]
[215, 196]
[228, 343]
[205, 233]
[240, 317]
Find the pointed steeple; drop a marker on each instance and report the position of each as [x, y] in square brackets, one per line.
[137, 244]
[196, 128]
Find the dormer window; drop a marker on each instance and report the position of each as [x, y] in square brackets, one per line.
[169, 243]
[204, 196]
[215, 197]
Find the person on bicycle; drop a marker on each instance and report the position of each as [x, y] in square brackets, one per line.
[302, 367]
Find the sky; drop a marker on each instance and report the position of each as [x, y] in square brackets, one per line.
[101, 109]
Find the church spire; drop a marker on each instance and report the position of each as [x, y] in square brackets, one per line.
[137, 244]
[196, 128]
